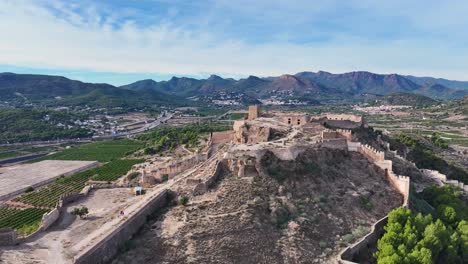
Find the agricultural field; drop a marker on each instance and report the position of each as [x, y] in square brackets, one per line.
[15, 151]
[25, 221]
[49, 195]
[103, 151]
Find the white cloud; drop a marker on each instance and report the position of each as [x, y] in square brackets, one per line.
[36, 36]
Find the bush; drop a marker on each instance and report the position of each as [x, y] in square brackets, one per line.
[365, 203]
[183, 200]
[133, 175]
[81, 212]
[29, 189]
[165, 177]
[150, 151]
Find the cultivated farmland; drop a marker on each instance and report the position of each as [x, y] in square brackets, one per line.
[49, 195]
[100, 151]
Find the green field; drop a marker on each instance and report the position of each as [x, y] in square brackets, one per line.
[49, 195]
[103, 151]
[15, 151]
[234, 116]
[25, 221]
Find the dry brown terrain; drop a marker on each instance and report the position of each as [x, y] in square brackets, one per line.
[299, 211]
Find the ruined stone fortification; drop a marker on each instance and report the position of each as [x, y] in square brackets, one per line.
[222, 137]
[8, 237]
[441, 179]
[254, 112]
[249, 198]
[337, 133]
[105, 249]
[171, 169]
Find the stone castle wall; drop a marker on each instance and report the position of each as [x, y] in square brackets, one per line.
[49, 218]
[294, 119]
[442, 179]
[105, 249]
[371, 153]
[338, 133]
[202, 187]
[400, 183]
[222, 137]
[362, 245]
[342, 117]
[254, 112]
[8, 237]
[335, 143]
[175, 167]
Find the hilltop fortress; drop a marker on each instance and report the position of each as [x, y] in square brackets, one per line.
[243, 175]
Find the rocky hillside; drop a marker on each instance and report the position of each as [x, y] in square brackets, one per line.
[301, 211]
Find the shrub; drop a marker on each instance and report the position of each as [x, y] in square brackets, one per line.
[150, 151]
[133, 175]
[165, 177]
[365, 203]
[183, 200]
[81, 212]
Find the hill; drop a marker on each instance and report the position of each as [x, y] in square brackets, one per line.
[18, 125]
[406, 99]
[430, 80]
[57, 90]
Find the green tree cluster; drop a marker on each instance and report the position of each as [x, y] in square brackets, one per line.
[167, 138]
[19, 125]
[423, 155]
[438, 141]
[438, 238]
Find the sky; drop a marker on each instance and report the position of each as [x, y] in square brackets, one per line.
[121, 41]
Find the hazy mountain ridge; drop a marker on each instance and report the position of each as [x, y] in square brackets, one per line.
[320, 85]
[305, 86]
[58, 90]
[431, 80]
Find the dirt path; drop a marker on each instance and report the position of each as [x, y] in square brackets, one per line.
[54, 246]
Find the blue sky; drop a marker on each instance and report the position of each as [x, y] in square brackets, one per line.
[126, 40]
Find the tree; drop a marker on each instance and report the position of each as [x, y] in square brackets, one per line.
[81, 212]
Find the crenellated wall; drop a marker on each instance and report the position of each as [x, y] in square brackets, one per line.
[442, 179]
[343, 117]
[400, 183]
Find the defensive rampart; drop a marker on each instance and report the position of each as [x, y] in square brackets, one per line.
[400, 183]
[442, 179]
[107, 247]
[176, 167]
[8, 237]
[203, 187]
[338, 133]
[222, 137]
[347, 256]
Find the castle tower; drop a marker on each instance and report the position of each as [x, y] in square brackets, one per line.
[254, 112]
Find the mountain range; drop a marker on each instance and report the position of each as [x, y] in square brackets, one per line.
[57, 90]
[317, 85]
[306, 86]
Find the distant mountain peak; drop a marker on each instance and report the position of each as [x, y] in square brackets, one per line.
[214, 77]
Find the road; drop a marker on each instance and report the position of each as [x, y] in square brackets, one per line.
[146, 127]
